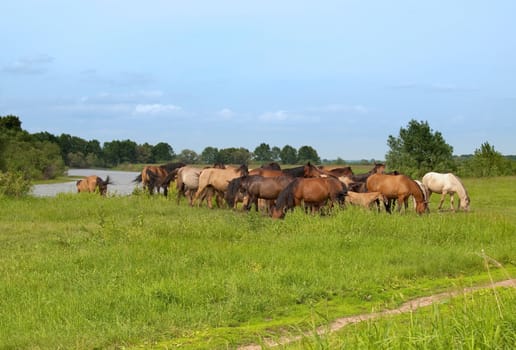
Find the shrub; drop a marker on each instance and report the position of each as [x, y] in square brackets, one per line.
[14, 184]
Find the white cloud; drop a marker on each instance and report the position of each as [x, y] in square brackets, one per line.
[155, 108]
[226, 113]
[282, 116]
[277, 116]
[29, 65]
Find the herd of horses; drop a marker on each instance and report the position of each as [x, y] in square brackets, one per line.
[277, 191]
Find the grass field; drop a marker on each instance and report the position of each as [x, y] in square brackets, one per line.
[83, 272]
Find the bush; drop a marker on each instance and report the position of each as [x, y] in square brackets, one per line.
[14, 184]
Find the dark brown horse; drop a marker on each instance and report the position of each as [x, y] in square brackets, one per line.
[398, 187]
[93, 183]
[155, 176]
[259, 187]
[312, 192]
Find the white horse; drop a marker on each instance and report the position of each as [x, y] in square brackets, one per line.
[447, 184]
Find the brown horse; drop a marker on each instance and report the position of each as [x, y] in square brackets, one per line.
[398, 187]
[218, 179]
[155, 176]
[259, 187]
[337, 172]
[93, 183]
[312, 192]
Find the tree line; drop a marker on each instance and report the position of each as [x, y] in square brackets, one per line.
[416, 150]
[43, 155]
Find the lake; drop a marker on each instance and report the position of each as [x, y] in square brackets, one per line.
[122, 182]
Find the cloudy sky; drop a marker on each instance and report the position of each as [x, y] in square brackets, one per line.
[340, 76]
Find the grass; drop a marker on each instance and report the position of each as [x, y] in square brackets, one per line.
[80, 271]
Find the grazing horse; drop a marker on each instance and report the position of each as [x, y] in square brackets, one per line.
[365, 199]
[399, 187]
[233, 194]
[259, 187]
[218, 179]
[447, 184]
[153, 176]
[314, 192]
[93, 183]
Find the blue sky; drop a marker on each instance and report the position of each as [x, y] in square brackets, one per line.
[340, 76]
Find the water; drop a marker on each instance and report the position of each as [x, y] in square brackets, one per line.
[122, 182]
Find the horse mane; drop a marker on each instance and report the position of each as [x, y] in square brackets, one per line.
[295, 172]
[172, 166]
[456, 178]
[286, 197]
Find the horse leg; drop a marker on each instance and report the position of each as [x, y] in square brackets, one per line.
[452, 206]
[443, 197]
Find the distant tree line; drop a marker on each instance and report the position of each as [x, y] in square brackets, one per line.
[44, 155]
[416, 150]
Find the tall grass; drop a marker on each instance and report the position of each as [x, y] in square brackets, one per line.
[80, 271]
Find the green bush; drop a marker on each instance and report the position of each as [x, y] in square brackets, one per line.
[14, 184]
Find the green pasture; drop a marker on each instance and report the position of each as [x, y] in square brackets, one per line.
[139, 272]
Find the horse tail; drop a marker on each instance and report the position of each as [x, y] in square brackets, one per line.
[108, 181]
[138, 178]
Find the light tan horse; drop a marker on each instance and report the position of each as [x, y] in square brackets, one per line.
[365, 199]
[218, 179]
[187, 182]
[399, 187]
[447, 184]
[92, 184]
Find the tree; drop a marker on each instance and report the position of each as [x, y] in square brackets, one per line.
[210, 155]
[488, 162]
[288, 155]
[418, 149]
[188, 156]
[10, 122]
[162, 152]
[263, 153]
[276, 151]
[144, 153]
[308, 154]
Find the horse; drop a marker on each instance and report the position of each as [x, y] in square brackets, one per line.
[154, 176]
[424, 189]
[93, 183]
[314, 192]
[187, 182]
[337, 172]
[378, 168]
[399, 187]
[233, 194]
[447, 184]
[218, 179]
[364, 199]
[257, 187]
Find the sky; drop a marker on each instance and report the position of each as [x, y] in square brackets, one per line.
[339, 76]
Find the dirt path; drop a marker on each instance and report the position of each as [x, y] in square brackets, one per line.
[406, 307]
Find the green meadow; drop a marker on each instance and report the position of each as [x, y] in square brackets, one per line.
[139, 272]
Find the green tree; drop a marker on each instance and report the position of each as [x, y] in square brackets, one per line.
[162, 152]
[276, 151]
[288, 155]
[418, 149]
[234, 155]
[144, 153]
[210, 155]
[263, 153]
[116, 152]
[486, 161]
[308, 154]
[188, 156]
[10, 122]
